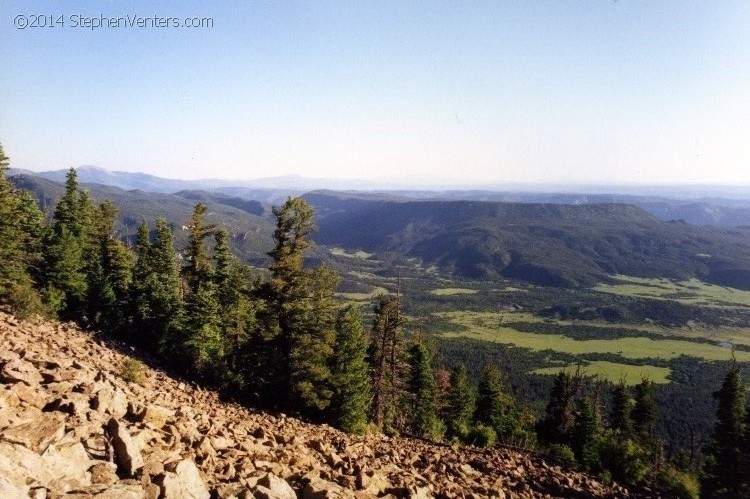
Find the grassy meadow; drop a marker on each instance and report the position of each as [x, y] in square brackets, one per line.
[692, 291]
[612, 371]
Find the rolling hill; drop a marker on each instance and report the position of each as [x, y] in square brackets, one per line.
[248, 222]
[549, 244]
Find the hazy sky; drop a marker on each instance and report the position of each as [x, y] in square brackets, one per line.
[649, 91]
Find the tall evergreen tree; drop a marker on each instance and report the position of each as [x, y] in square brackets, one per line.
[65, 250]
[312, 350]
[109, 271]
[156, 295]
[495, 407]
[722, 474]
[349, 372]
[198, 268]
[21, 234]
[234, 293]
[557, 423]
[460, 409]
[387, 358]
[423, 418]
[622, 406]
[203, 341]
[644, 411]
[297, 316]
[584, 433]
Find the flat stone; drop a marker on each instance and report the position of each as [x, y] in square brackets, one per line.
[20, 371]
[157, 415]
[38, 433]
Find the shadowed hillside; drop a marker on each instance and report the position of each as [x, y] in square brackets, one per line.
[549, 244]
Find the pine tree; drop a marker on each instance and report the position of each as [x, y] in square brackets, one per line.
[460, 409]
[21, 234]
[644, 411]
[622, 406]
[204, 342]
[234, 293]
[423, 418]
[155, 295]
[65, 250]
[165, 292]
[297, 317]
[140, 299]
[202, 336]
[312, 350]
[108, 269]
[584, 433]
[199, 268]
[495, 407]
[387, 363]
[722, 474]
[557, 423]
[349, 372]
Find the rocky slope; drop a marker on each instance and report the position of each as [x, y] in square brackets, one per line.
[71, 426]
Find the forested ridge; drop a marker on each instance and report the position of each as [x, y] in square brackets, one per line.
[279, 339]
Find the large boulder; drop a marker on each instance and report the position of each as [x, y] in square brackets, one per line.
[182, 481]
[127, 455]
[274, 487]
[112, 401]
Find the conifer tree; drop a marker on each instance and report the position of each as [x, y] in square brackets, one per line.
[297, 317]
[64, 252]
[460, 408]
[557, 423]
[166, 296]
[312, 350]
[198, 264]
[387, 363]
[156, 297]
[202, 333]
[349, 372]
[644, 411]
[622, 406]
[584, 433]
[21, 234]
[109, 271]
[140, 299]
[423, 418]
[495, 407]
[234, 291]
[204, 339]
[722, 474]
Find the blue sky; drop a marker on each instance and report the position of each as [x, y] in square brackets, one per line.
[650, 91]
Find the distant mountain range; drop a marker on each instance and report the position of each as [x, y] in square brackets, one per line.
[727, 206]
[565, 240]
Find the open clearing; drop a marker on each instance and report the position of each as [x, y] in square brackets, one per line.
[363, 296]
[731, 334]
[487, 326]
[453, 291]
[362, 255]
[692, 291]
[611, 371]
